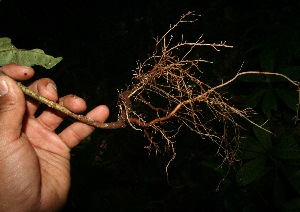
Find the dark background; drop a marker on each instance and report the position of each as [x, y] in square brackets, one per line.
[101, 41]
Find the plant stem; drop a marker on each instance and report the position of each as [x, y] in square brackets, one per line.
[120, 123]
[66, 111]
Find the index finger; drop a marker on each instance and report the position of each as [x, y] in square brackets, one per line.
[18, 72]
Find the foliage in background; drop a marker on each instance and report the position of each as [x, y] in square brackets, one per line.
[269, 170]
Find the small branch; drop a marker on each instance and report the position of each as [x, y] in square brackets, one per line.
[112, 125]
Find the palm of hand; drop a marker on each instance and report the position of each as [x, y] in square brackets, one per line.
[34, 159]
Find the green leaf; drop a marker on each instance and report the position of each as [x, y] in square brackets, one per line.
[288, 148]
[10, 54]
[251, 171]
[255, 97]
[292, 72]
[288, 97]
[269, 103]
[263, 137]
[267, 60]
[214, 165]
[278, 191]
[293, 175]
[251, 148]
[292, 205]
[5, 44]
[288, 117]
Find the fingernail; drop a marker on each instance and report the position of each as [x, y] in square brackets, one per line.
[51, 87]
[3, 88]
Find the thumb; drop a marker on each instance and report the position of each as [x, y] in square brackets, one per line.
[12, 109]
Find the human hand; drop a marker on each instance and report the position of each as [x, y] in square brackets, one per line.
[34, 160]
